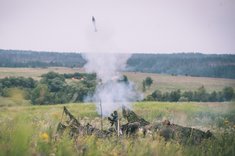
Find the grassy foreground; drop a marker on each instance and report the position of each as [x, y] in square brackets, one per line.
[30, 130]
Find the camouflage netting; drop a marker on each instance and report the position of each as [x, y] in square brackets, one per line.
[183, 135]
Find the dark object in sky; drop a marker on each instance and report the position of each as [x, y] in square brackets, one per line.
[93, 21]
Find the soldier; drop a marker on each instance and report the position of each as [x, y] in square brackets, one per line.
[114, 119]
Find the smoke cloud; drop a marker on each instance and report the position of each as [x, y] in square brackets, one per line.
[111, 91]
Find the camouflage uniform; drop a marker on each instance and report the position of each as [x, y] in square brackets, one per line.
[114, 120]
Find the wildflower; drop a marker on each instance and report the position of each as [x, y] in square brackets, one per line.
[44, 136]
[226, 122]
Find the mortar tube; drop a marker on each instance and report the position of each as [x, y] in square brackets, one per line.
[101, 112]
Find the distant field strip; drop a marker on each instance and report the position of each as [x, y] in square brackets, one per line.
[160, 81]
[35, 72]
[168, 83]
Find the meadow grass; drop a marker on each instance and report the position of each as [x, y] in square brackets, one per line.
[35, 73]
[30, 130]
[167, 83]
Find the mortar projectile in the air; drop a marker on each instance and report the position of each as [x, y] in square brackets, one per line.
[93, 21]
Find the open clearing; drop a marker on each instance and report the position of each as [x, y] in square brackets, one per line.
[184, 83]
[160, 81]
[35, 73]
[30, 130]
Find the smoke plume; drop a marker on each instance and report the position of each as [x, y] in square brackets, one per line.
[112, 92]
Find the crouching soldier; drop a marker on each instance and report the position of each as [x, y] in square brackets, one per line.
[114, 120]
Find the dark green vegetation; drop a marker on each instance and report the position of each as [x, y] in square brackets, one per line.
[200, 95]
[189, 64]
[55, 88]
[52, 88]
[147, 82]
[30, 130]
[18, 58]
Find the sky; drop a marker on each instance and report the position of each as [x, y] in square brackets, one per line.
[124, 26]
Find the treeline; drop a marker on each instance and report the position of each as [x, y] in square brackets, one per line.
[52, 88]
[200, 95]
[189, 64]
[18, 58]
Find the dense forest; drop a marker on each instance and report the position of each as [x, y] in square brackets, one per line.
[190, 64]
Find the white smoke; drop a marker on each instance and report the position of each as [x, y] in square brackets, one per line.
[111, 92]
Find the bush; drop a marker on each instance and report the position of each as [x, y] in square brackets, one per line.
[228, 93]
[175, 96]
[148, 81]
[201, 95]
[17, 82]
[183, 99]
[40, 95]
[157, 95]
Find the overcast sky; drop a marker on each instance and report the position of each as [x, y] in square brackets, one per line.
[156, 26]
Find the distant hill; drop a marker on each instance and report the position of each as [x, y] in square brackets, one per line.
[191, 64]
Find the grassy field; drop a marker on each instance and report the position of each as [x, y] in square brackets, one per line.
[184, 83]
[35, 73]
[160, 81]
[30, 130]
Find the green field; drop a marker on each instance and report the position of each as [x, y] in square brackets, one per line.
[35, 73]
[184, 83]
[30, 130]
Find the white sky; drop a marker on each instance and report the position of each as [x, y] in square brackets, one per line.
[147, 26]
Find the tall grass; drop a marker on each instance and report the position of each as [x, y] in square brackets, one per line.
[16, 135]
[30, 130]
